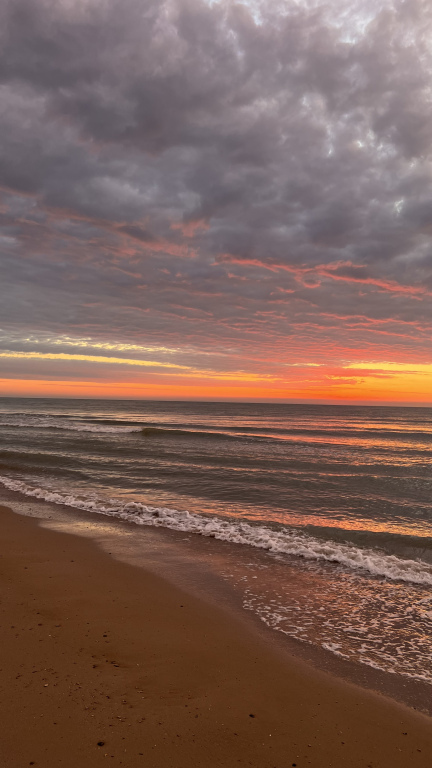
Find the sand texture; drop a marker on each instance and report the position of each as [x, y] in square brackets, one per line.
[105, 664]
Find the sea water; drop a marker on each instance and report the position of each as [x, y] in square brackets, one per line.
[336, 500]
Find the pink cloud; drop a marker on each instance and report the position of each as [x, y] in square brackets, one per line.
[344, 271]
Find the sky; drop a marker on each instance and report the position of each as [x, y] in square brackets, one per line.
[216, 200]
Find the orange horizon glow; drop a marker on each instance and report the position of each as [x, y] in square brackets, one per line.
[342, 385]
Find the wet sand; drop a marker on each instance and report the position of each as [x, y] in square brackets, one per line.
[104, 663]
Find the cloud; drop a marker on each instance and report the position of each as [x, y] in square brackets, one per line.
[223, 177]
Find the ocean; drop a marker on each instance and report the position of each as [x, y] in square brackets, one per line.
[328, 508]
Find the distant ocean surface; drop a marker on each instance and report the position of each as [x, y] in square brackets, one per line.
[338, 500]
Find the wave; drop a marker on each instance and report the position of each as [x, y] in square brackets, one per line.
[156, 431]
[112, 427]
[222, 432]
[281, 541]
[47, 423]
[41, 414]
[331, 431]
[275, 431]
[163, 432]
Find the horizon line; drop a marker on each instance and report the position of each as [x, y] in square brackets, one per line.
[264, 401]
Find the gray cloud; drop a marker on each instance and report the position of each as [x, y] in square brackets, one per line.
[239, 177]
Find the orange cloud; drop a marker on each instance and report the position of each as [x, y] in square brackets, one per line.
[190, 228]
[333, 271]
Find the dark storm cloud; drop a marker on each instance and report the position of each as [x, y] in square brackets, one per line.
[219, 174]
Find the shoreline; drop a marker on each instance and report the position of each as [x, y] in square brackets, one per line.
[112, 652]
[197, 564]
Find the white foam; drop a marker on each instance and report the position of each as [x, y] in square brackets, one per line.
[283, 541]
[378, 635]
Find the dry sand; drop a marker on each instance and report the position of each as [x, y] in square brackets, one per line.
[105, 664]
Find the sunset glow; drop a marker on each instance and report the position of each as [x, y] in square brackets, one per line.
[377, 383]
[248, 220]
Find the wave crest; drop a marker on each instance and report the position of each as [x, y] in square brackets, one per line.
[283, 541]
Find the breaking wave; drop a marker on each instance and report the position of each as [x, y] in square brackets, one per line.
[282, 541]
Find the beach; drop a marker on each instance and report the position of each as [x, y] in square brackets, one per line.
[316, 513]
[106, 663]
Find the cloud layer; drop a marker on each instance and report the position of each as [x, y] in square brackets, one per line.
[240, 188]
